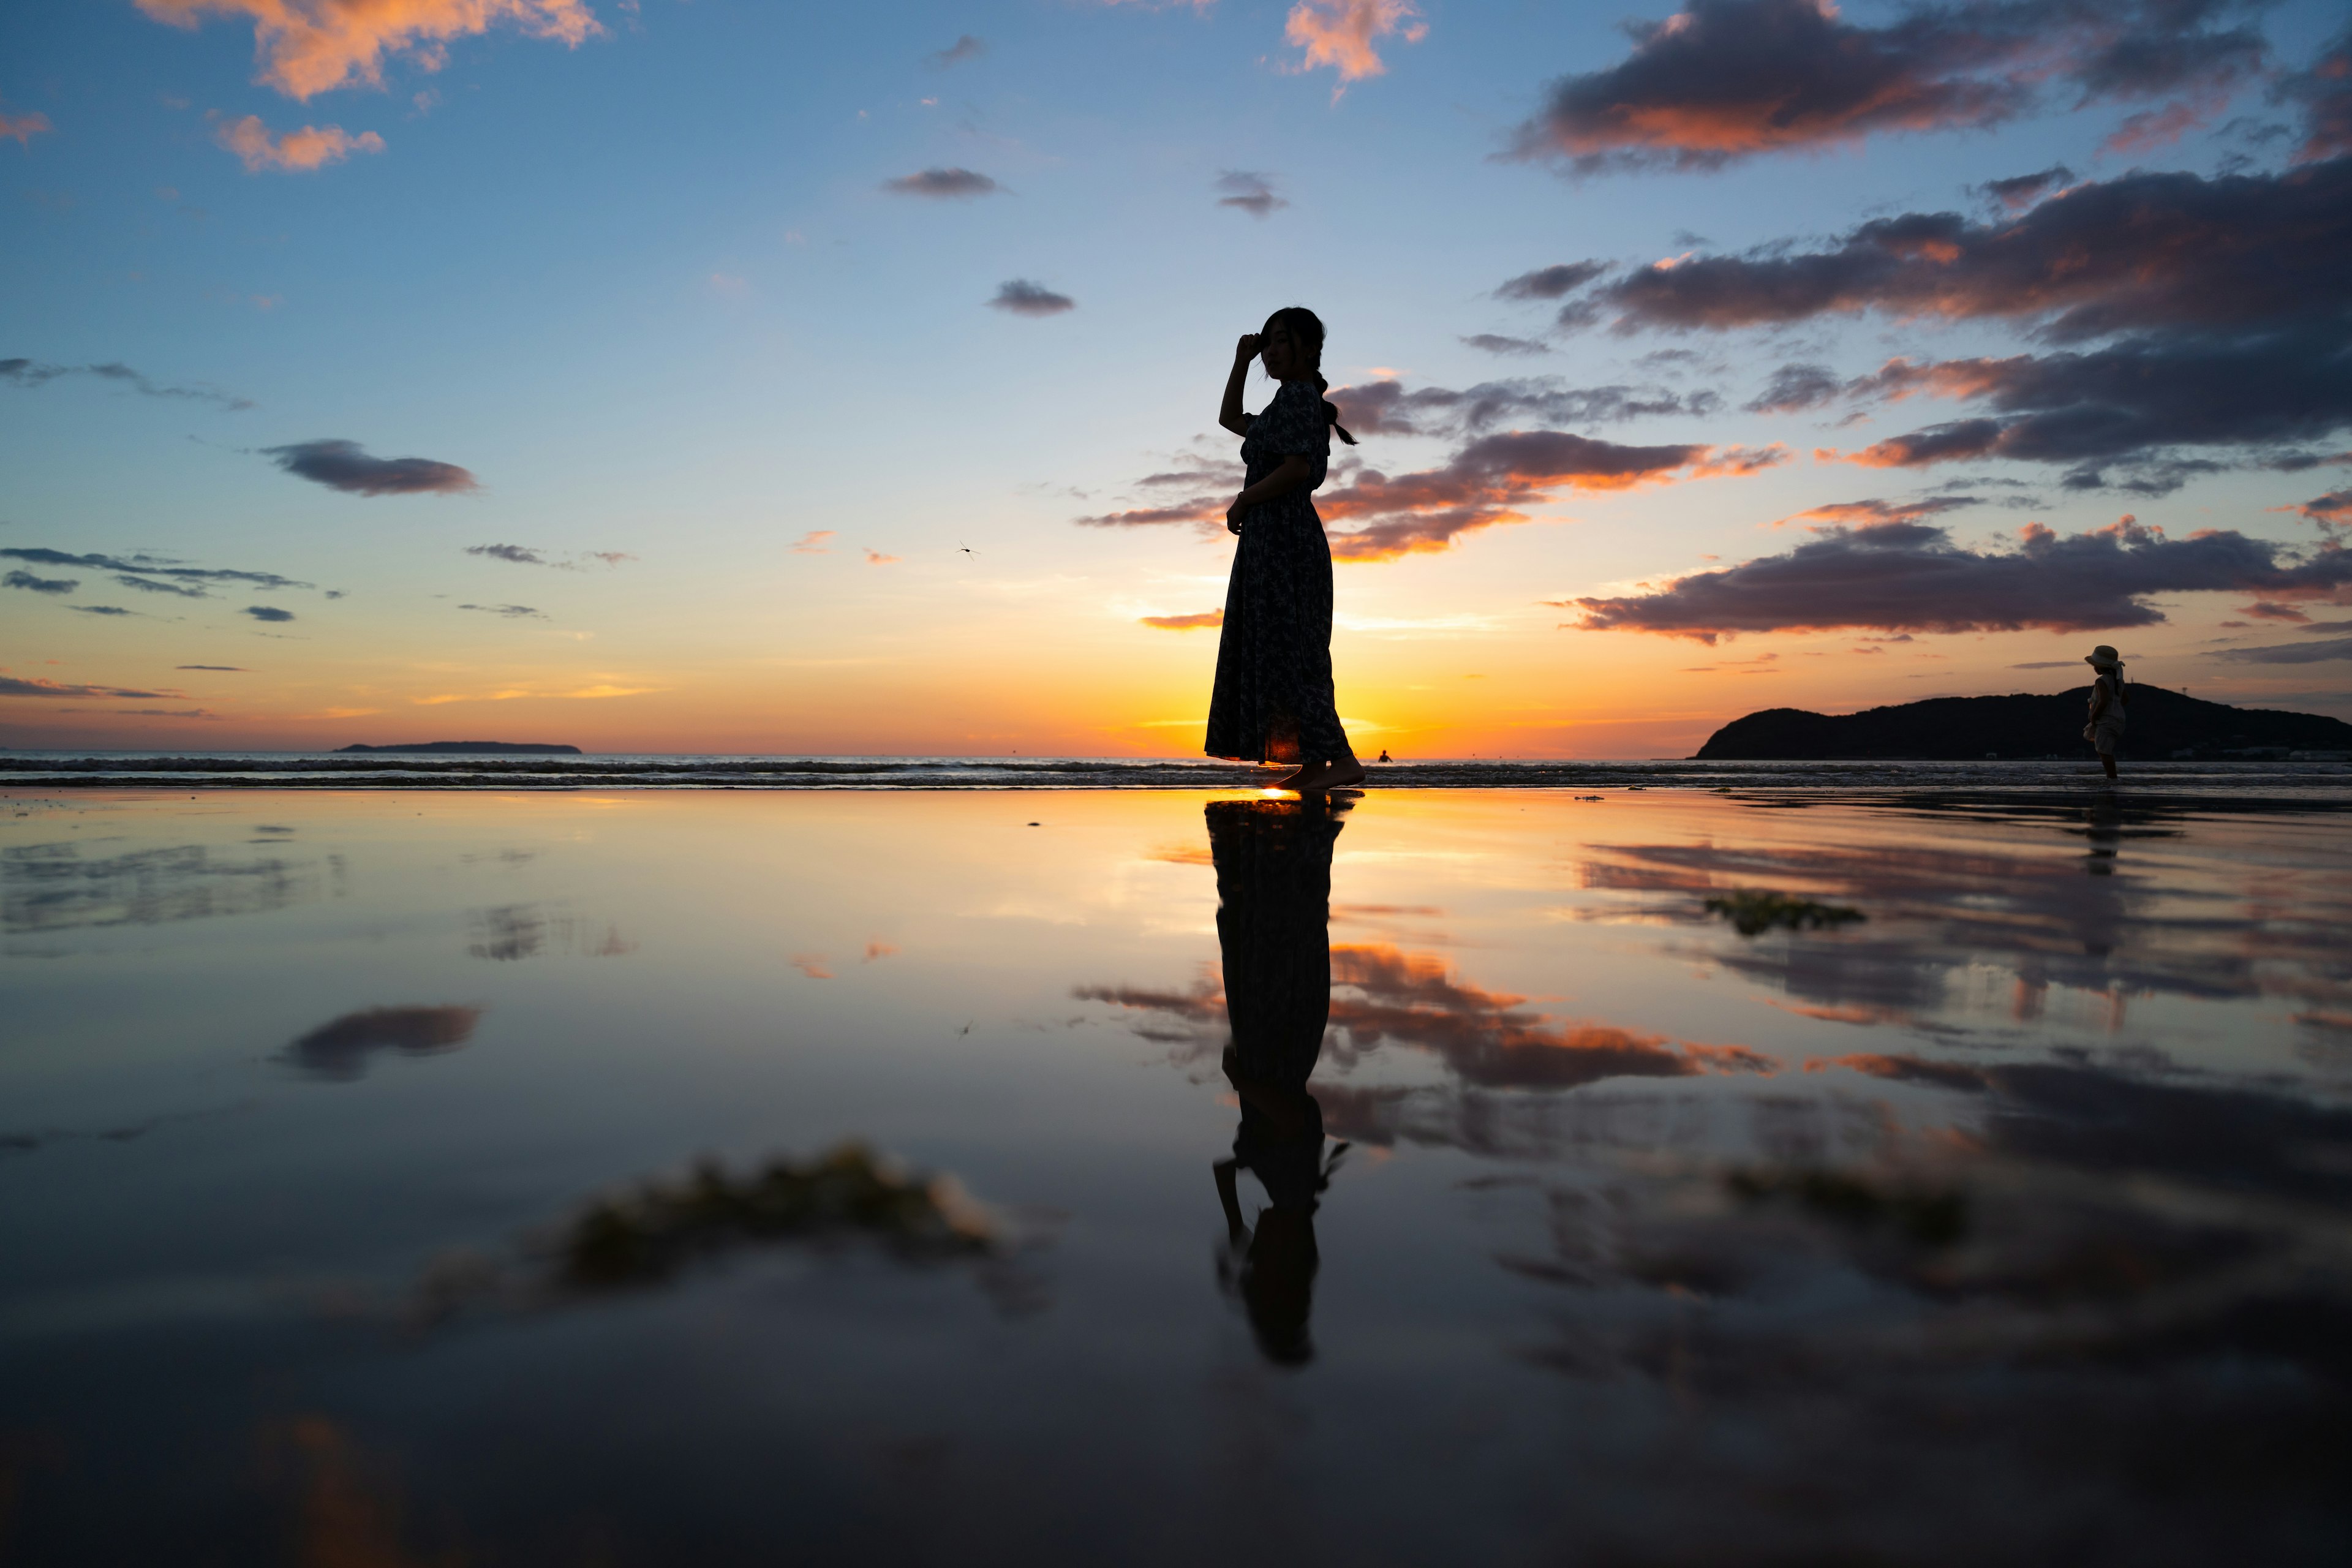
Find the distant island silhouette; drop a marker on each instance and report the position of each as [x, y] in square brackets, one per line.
[2162, 725]
[513, 748]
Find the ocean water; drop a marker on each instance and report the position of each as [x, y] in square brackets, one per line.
[590, 1175]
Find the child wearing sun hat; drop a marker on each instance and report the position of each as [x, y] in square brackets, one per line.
[2105, 729]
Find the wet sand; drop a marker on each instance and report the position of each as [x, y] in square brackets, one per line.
[665, 1177]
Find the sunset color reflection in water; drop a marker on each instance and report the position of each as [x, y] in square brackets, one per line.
[682, 1177]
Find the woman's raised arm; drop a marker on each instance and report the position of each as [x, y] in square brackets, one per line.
[1231, 416]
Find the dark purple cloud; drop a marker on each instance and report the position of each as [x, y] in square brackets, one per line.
[1488, 481]
[2228, 304]
[2324, 651]
[270, 612]
[31, 583]
[1727, 80]
[150, 566]
[510, 612]
[1388, 408]
[1019, 297]
[521, 555]
[2021, 190]
[2238, 252]
[1493, 343]
[30, 373]
[946, 183]
[14, 686]
[2325, 91]
[1911, 576]
[1251, 193]
[1552, 282]
[345, 466]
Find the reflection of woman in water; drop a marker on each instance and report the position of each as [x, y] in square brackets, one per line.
[1274, 700]
[1274, 892]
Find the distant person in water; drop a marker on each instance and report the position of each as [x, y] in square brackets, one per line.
[2105, 729]
[1274, 700]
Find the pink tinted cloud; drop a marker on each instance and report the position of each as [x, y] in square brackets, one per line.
[23, 128]
[311, 147]
[308, 47]
[1343, 34]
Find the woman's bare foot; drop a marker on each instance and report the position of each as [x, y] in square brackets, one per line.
[1340, 773]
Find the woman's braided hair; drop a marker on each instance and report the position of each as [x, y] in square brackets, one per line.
[1305, 330]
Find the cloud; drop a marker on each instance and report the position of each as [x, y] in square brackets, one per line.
[1870, 513]
[2021, 190]
[22, 128]
[1493, 344]
[2322, 651]
[1387, 408]
[33, 584]
[1251, 193]
[2130, 403]
[343, 466]
[305, 48]
[224, 668]
[814, 543]
[1020, 296]
[1795, 388]
[519, 554]
[2325, 93]
[1486, 481]
[28, 373]
[1342, 33]
[965, 48]
[2329, 511]
[99, 610]
[267, 613]
[1728, 80]
[1911, 576]
[511, 612]
[1204, 621]
[178, 589]
[2224, 298]
[875, 558]
[950, 184]
[311, 147]
[1201, 509]
[1551, 282]
[2143, 250]
[15, 685]
[151, 567]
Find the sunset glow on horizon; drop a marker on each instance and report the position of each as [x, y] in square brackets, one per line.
[712, 378]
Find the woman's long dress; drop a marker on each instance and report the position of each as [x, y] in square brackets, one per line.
[1273, 701]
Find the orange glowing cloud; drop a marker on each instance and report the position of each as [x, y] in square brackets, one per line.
[1206, 620]
[308, 47]
[1341, 33]
[311, 147]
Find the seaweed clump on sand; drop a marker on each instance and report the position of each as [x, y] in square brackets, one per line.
[1754, 910]
[645, 1236]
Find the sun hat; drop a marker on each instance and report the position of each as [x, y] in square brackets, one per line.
[2102, 658]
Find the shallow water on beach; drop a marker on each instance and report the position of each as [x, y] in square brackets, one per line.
[664, 1176]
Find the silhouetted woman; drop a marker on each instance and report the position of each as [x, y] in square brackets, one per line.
[1274, 911]
[1274, 700]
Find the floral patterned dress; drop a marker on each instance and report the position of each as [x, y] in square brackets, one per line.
[1273, 701]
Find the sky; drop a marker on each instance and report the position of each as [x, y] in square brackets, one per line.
[717, 376]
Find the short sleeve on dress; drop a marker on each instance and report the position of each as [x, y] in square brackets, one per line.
[1293, 423]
